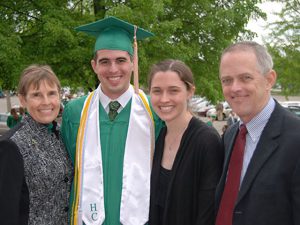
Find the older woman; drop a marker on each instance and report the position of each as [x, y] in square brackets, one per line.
[35, 171]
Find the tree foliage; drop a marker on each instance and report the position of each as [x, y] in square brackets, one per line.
[284, 43]
[194, 31]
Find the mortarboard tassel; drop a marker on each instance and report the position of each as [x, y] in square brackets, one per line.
[135, 63]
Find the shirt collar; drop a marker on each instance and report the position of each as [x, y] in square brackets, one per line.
[123, 99]
[257, 124]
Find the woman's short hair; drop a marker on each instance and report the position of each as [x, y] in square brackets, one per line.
[34, 75]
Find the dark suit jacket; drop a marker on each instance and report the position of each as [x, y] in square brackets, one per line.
[14, 195]
[270, 191]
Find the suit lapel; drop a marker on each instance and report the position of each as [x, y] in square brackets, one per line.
[266, 146]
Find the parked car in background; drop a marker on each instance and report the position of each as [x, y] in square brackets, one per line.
[2, 94]
[290, 103]
[292, 106]
[3, 126]
[213, 111]
[294, 109]
[200, 105]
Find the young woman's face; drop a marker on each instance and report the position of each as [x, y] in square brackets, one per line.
[169, 95]
[42, 104]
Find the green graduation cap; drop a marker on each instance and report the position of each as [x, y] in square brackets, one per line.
[114, 34]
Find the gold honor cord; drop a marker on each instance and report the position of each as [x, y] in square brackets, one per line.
[146, 104]
[135, 63]
[78, 161]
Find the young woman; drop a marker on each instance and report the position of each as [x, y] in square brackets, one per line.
[35, 171]
[188, 154]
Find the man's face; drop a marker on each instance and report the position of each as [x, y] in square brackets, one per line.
[113, 68]
[245, 88]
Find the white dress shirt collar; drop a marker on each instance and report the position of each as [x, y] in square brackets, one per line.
[123, 99]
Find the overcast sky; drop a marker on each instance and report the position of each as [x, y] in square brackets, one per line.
[258, 26]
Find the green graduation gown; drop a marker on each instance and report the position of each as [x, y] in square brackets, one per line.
[113, 138]
[11, 121]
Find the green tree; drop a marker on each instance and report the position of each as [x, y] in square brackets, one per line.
[9, 55]
[193, 31]
[44, 31]
[284, 43]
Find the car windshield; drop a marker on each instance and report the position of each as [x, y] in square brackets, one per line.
[295, 110]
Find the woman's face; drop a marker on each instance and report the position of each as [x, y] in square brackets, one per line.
[169, 96]
[42, 103]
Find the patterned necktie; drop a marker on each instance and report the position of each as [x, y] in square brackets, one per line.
[113, 109]
[229, 197]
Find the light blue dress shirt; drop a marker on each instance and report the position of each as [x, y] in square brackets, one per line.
[255, 128]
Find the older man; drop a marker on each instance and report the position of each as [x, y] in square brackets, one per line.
[260, 184]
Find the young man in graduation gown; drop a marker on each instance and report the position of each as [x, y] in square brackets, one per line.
[110, 133]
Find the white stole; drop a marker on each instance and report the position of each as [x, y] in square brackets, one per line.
[135, 199]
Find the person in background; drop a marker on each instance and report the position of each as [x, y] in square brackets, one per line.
[232, 118]
[35, 171]
[260, 183]
[188, 156]
[22, 111]
[211, 120]
[110, 133]
[13, 119]
[220, 111]
[224, 128]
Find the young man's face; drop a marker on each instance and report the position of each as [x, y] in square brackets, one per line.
[114, 69]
